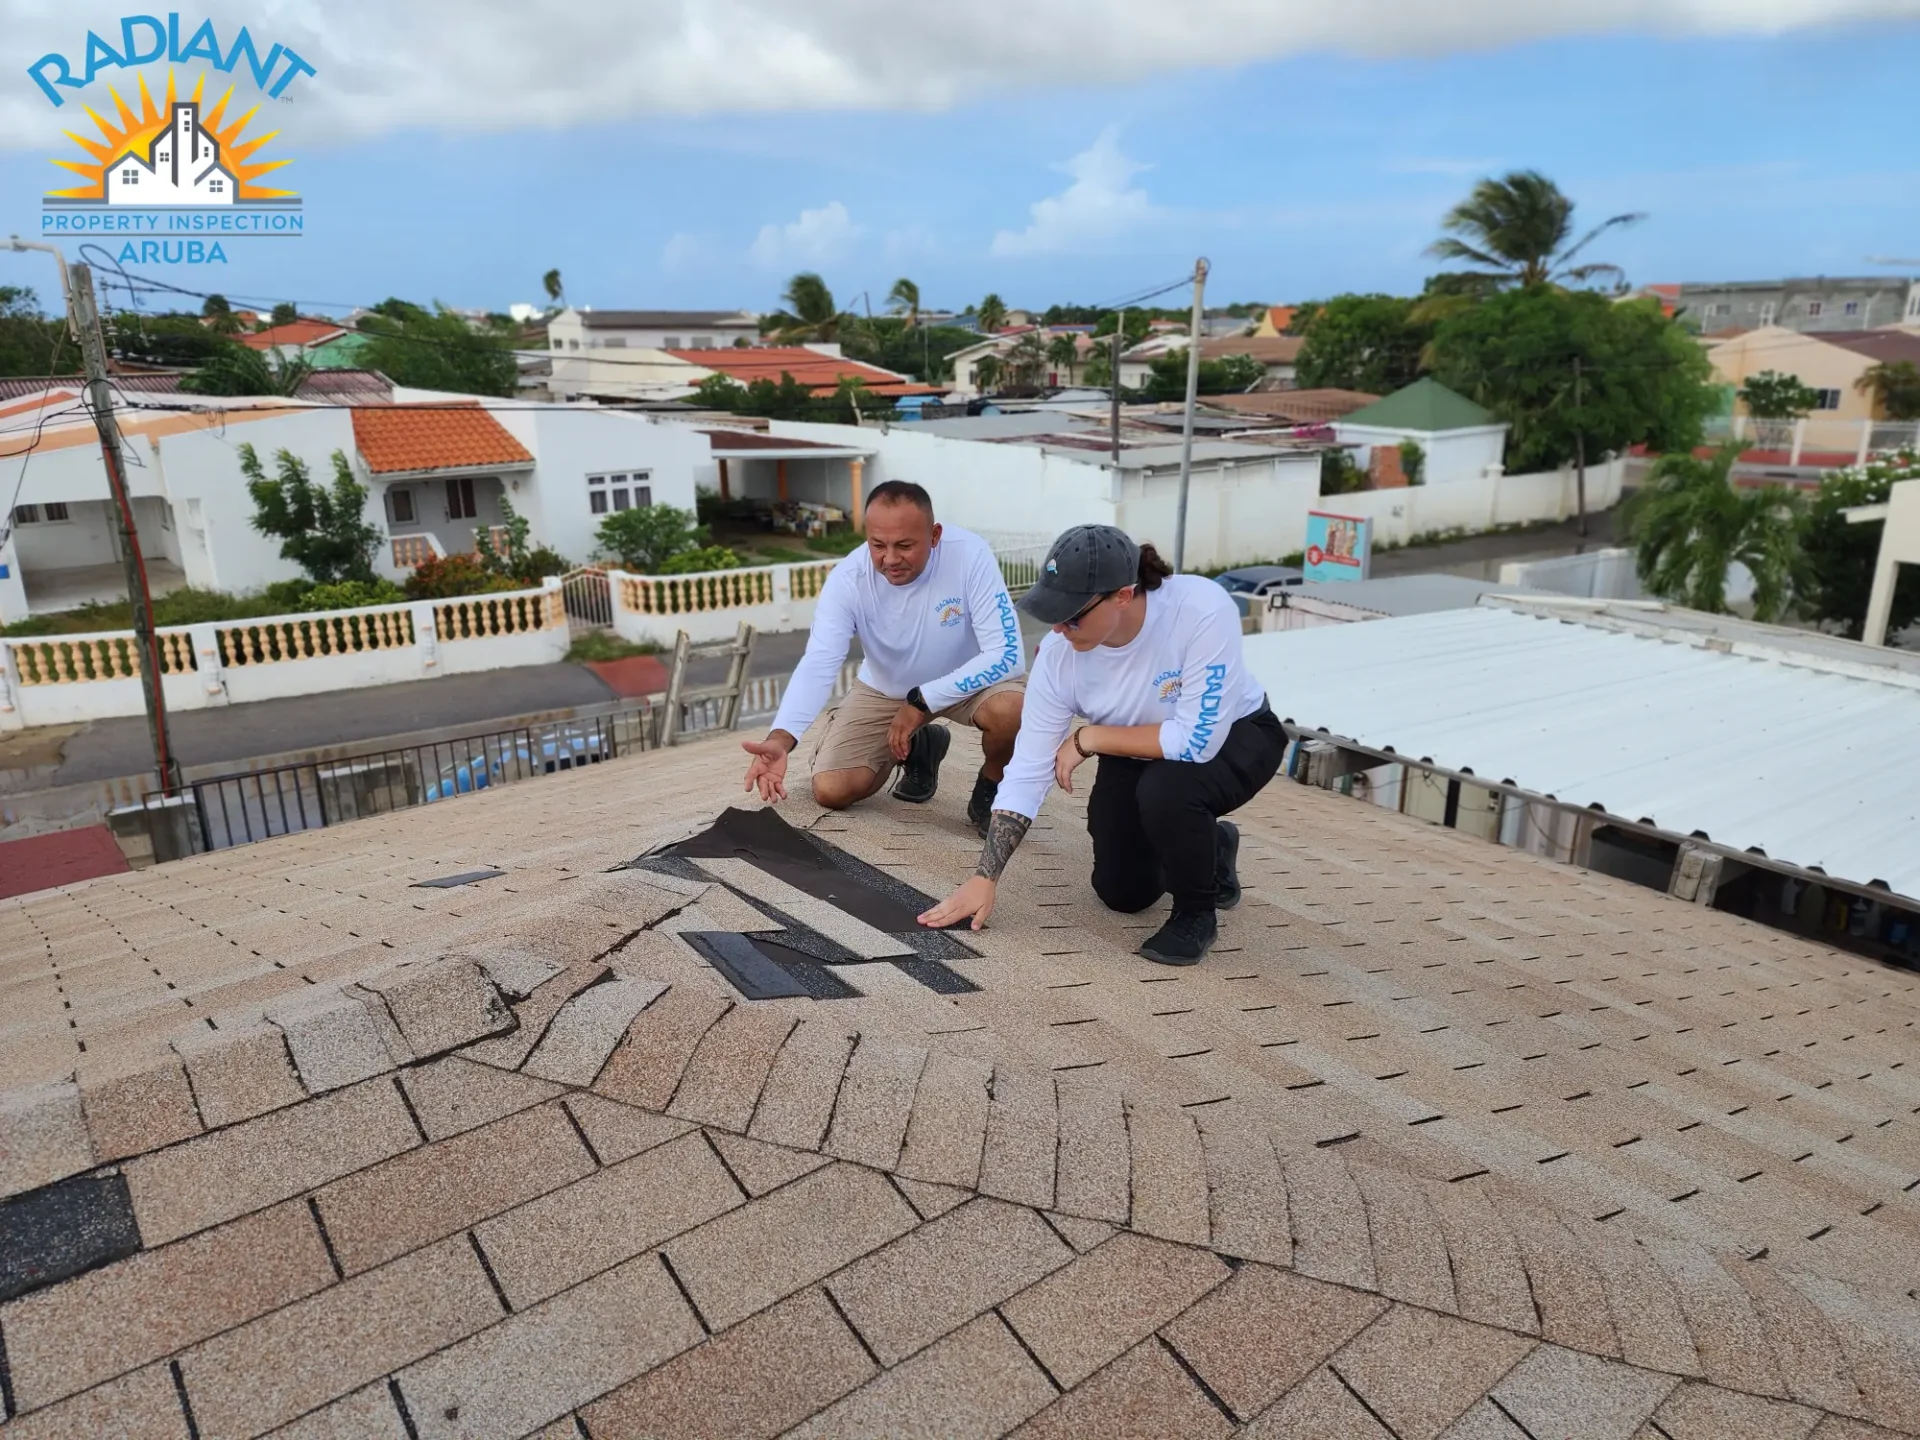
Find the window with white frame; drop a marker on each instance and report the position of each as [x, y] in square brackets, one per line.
[621, 490]
[26, 514]
[1720, 307]
[1826, 400]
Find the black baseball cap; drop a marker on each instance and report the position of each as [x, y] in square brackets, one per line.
[1085, 563]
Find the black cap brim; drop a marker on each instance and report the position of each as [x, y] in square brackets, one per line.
[1053, 607]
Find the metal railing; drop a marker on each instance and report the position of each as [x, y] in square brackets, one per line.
[251, 805]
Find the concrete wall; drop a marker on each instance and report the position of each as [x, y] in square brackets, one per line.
[1452, 456]
[84, 538]
[237, 662]
[1815, 363]
[1473, 506]
[1899, 545]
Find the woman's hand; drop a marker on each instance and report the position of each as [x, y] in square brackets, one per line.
[972, 900]
[1066, 760]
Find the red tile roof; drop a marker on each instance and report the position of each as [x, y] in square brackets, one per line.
[296, 332]
[738, 440]
[819, 373]
[397, 438]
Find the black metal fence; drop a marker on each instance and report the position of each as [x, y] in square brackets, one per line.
[311, 794]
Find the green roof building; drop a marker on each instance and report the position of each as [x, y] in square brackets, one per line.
[1458, 439]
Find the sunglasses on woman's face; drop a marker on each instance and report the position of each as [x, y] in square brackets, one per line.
[1098, 601]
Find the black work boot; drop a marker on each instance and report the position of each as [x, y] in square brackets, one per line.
[1226, 866]
[920, 775]
[980, 804]
[1184, 939]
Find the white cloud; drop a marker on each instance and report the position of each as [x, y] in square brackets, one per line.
[1092, 213]
[679, 251]
[817, 237]
[458, 65]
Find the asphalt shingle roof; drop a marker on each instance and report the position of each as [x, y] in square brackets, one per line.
[1425, 405]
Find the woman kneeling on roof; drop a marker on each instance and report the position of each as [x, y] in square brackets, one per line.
[1183, 733]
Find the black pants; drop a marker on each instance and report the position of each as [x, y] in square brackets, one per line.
[1152, 821]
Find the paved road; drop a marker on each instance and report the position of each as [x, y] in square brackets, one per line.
[109, 748]
[1480, 556]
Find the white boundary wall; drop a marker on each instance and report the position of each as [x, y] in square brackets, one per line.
[1476, 505]
[711, 605]
[71, 679]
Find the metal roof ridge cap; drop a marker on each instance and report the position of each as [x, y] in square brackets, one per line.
[1592, 613]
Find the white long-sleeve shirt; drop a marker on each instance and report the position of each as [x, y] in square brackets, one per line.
[1184, 672]
[952, 630]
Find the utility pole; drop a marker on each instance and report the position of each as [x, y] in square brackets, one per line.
[1113, 381]
[1186, 428]
[93, 353]
[1579, 450]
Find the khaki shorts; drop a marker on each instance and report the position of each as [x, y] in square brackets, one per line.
[857, 727]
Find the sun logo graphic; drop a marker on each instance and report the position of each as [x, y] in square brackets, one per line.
[952, 611]
[1167, 685]
[176, 178]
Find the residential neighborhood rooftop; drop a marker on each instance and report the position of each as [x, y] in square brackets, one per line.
[412, 438]
[1296, 407]
[444, 1124]
[1425, 405]
[653, 319]
[821, 373]
[293, 333]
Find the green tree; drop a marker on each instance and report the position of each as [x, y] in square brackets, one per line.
[556, 290]
[992, 314]
[1771, 395]
[1063, 352]
[1895, 388]
[510, 556]
[1413, 462]
[986, 371]
[1840, 557]
[1027, 360]
[219, 315]
[240, 370]
[810, 313]
[1517, 228]
[285, 313]
[173, 340]
[1689, 523]
[719, 392]
[437, 350]
[1362, 342]
[1133, 330]
[1229, 375]
[30, 343]
[919, 350]
[323, 530]
[1643, 379]
[904, 300]
[643, 540]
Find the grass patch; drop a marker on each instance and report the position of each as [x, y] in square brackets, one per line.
[599, 645]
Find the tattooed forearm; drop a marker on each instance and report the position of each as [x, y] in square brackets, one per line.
[1005, 831]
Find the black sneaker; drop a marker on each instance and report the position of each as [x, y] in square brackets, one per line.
[1226, 861]
[980, 805]
[1184, 939]
[920, 775]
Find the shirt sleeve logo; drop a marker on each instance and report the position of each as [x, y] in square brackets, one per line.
[1167, 686]
[951, 611]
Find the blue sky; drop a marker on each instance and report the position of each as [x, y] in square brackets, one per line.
[1297, 177]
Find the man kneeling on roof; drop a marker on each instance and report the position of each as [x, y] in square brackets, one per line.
[1182, 729]
[940, 640]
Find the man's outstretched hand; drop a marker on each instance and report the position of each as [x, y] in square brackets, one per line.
[768, 772]
[973, 900]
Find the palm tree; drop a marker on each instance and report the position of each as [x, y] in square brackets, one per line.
[992, 315]
[1895, 388]
[556, 292]
[1689, 524]
[1027, 359]
[986, 371]
[1517, 228]
[1065, 353]
[904, 300]
[240, 370]
[219, 315]
[810, 315]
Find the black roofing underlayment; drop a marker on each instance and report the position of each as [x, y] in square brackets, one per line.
[790, 958]
[63, 1229]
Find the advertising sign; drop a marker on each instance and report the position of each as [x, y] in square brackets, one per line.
[1338, 546]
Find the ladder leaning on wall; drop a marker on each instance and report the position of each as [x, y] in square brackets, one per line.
[717, 705]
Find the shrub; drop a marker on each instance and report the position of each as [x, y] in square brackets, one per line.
[694, 562]
[646, 538]
[540, 562]
[443, 577]
[1338, 474]
[707, 507]
[1412, 459]
[352, 594]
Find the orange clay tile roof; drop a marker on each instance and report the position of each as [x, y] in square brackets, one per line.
[820, 373]
[296, 332]
[396, 438]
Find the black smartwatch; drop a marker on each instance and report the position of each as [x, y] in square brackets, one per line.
[919, 701]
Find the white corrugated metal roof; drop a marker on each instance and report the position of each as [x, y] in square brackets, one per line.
[1812, 767]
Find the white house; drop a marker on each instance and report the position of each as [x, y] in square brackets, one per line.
[185, 168]
[1458, 439]
[585, 328]
[966, 362]
[436, 468]
[1034, 475]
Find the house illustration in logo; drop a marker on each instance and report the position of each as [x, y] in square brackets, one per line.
[182, 167]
